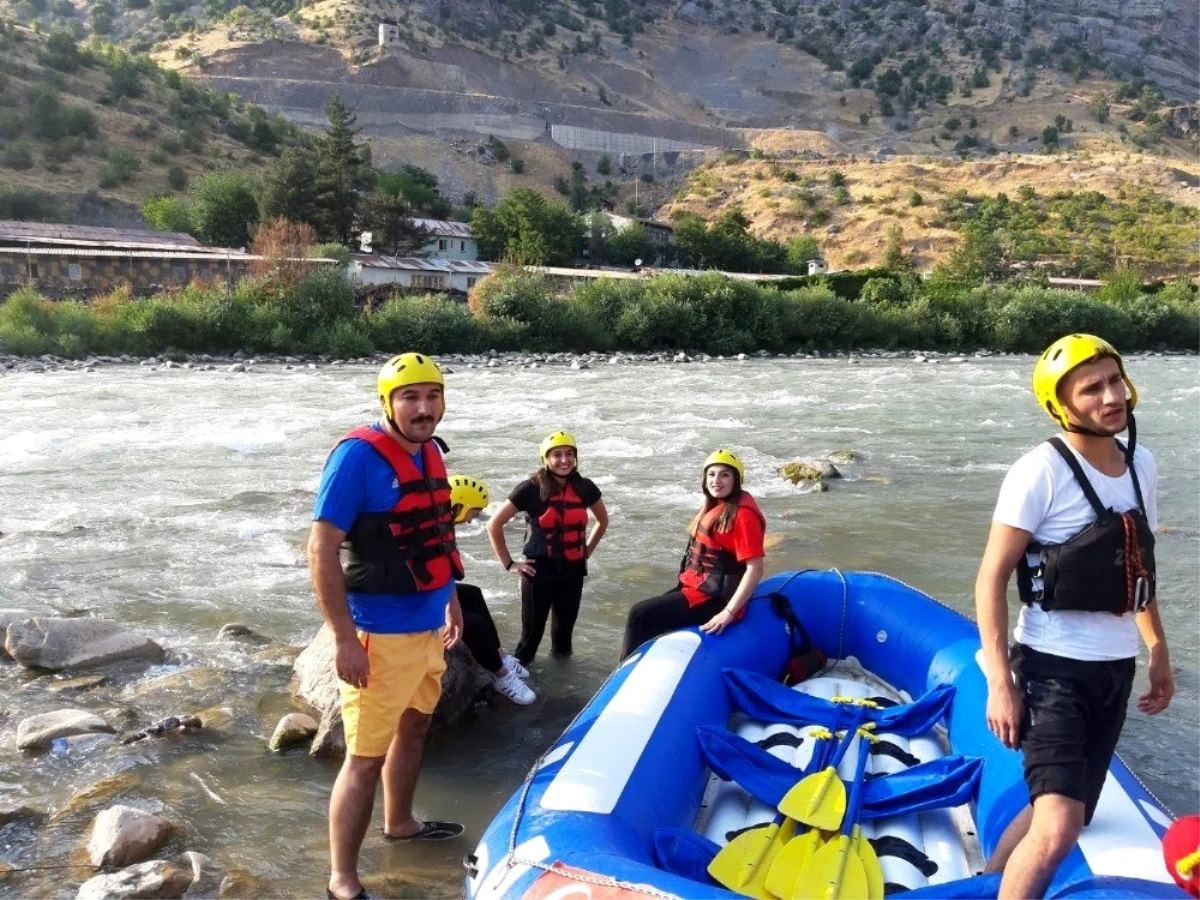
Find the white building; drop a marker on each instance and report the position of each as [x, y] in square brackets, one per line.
[389, 34]
[448, 275]
[817, 266]
[449, 240]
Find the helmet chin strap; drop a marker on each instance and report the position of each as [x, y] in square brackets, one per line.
[1130, 426]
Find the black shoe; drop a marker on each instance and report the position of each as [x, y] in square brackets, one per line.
[361, 895]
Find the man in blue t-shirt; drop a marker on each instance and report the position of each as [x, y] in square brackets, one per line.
[383, 563]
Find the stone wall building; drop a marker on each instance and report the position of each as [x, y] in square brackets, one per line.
[80, 261]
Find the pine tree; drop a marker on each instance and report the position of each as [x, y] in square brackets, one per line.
[287, 189]
[341, 175]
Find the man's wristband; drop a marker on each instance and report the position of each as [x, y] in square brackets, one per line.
[508, 565]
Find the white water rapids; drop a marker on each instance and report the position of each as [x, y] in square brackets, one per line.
[175, 501]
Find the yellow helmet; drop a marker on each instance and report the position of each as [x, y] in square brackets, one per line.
[467, 493]
[1061, 357]
[557, 439]
[726, 458]
[403, 370]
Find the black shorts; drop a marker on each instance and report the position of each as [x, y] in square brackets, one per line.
[1074, 712]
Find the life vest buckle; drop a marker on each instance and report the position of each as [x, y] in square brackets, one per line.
[1141, 593]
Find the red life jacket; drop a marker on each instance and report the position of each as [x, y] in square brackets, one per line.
[409, 548]
[707, 568]
[564, 525]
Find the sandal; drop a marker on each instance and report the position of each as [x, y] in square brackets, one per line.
[429, 831]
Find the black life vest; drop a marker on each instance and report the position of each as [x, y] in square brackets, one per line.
[1106, 567]
[563, 525]
[706, 566]
[409, 548]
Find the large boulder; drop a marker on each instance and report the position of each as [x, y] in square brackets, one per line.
[809, 470]
[123, 835]
[317, 683]
[294, 728]
[38, 732]
[157, 879]
[57, 644]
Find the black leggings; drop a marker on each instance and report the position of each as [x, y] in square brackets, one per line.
[551, 590]
[667, 612]
[479, 631]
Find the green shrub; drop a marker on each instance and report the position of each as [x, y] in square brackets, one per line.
[19, 155]
[431, 322]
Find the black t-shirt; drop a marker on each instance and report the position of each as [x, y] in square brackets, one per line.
[527, 498]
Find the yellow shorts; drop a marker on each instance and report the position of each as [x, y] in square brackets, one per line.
[406, 673]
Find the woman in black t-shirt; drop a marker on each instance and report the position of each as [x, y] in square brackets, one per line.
[556, 501]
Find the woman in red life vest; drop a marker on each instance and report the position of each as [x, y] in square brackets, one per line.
[556, 501]
[721, 567]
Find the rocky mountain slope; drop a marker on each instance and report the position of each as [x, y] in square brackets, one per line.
[632, 95]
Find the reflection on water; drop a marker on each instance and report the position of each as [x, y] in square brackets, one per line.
[178, 517]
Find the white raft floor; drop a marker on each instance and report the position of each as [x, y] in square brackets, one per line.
[914, 850]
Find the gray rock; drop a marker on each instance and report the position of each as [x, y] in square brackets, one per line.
[294, 728]
[76, 643]
[123, 835]
[13, 811]
[158, 879]
[317, 683]
[235, 631]
[37, 732]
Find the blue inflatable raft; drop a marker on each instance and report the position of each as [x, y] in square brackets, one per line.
[677, 754]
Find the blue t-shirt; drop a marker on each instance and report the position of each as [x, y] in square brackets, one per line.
[357, 479]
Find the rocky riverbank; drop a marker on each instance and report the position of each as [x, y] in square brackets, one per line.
[97, 685]
[243, 362]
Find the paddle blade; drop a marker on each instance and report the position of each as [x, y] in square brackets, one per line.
[735, 864]
[818, 801]
[757, 885]
[863, 849]
[790, 862]
[834, 873]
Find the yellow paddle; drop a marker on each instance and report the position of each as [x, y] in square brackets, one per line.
[836, 871]
[737, 863]
[820, 800]
[742, 864]
[790, 862]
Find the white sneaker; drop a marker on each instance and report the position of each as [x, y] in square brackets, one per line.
[513, 688]
[513, 664]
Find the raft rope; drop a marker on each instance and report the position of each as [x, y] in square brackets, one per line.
[1136, 574]
[1187, 865]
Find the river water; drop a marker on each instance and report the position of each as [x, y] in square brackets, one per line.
[175, 501]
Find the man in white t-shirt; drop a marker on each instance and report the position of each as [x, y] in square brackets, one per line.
[1075, 521]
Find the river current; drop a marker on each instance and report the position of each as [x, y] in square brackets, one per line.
[177, 500]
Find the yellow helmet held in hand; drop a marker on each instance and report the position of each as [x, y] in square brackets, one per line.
[403, 370]
[726, 458]
[557, 439]
[467, 494]
[1061, 357]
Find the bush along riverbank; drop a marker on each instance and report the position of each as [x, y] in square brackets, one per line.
[516, 310]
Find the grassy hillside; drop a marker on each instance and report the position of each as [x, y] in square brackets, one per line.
[1081, 213]
[89, 132]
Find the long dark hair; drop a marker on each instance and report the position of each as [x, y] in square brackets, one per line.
[729, 505]
[548, 485]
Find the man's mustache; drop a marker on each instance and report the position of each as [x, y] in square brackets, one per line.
[421, 420]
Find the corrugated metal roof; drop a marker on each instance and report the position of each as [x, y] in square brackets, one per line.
[415, 264]
[91, 236]
[445, 229]
[88, 252]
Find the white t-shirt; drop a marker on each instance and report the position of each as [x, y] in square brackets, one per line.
[1040, 495]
